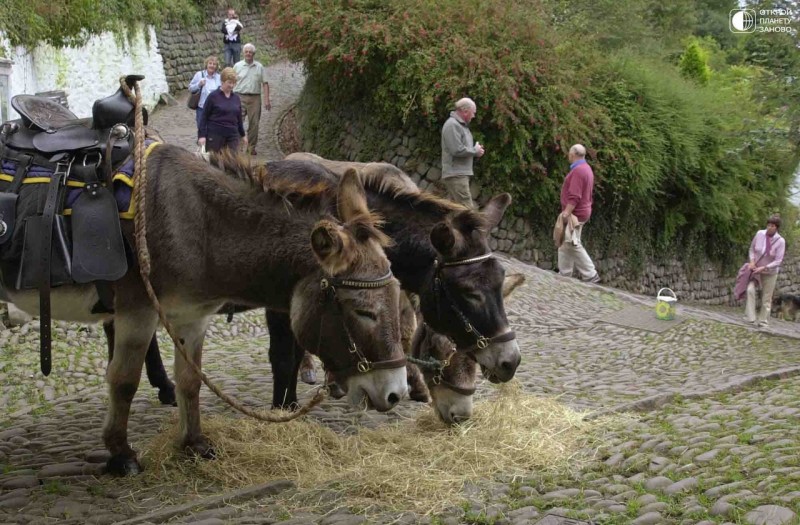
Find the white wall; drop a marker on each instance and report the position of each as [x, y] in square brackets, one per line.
[91, 71]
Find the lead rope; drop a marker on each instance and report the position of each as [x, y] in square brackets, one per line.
[140, 226]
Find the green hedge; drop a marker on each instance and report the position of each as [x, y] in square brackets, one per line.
[679, 165]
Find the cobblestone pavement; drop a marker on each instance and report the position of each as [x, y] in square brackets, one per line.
[714, 444]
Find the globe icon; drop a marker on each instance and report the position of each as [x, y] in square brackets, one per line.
[743, 21]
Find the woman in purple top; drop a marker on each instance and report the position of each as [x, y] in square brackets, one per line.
[766, 256]
[221, 124]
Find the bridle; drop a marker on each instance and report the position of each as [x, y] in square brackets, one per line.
[439, 289]
[329, 285]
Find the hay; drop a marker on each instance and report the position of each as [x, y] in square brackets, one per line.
[417, 465]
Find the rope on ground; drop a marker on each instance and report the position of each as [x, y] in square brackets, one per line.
[140, 227]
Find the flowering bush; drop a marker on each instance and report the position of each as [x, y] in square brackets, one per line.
[670, 156]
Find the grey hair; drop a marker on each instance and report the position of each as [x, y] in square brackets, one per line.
[249, 46]
[578, 150]
[466, 103]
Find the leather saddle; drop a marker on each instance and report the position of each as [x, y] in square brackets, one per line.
[51, 137]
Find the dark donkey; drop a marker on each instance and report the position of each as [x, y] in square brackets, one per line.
[440, 252]
[217, 238]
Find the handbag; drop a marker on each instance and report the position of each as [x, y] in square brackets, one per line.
[194, 98]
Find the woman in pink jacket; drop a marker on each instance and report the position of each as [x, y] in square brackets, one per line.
[766, 256]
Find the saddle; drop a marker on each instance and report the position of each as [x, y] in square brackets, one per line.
[59, 221]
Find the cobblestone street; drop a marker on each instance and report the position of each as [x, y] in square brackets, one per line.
[714, 437]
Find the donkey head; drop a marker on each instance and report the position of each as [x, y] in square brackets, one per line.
[452, 383]
[464, 300]
[348, 314]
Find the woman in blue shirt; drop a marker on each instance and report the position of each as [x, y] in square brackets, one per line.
[205, 82]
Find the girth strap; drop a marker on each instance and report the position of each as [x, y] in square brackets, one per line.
[48, 217]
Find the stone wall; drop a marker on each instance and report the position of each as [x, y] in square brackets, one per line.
[703, 283]
[185, 49]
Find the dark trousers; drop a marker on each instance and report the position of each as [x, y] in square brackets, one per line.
[233, 50]
[218, 141]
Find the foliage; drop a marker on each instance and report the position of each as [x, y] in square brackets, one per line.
[70, 22]
[681, 165]
[694, 64]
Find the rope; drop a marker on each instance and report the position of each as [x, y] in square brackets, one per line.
[431, 363]
[140, 227]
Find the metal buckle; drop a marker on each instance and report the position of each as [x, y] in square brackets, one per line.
[483, 342]
[353, 348]
[436, 379]
[364, 366]
[324, 284]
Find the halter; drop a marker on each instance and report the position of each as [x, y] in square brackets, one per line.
[438, 366]
[363, 365]
[481, 341]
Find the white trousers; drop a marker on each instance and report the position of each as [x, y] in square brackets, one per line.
[572, 256]
[767, 287]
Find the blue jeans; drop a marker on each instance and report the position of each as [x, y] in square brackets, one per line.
[197, 114]
[233, 52]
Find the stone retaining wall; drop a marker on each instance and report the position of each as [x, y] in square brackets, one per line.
[703, 283]
[185, 49]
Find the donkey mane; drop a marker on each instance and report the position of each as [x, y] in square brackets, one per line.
[390, 181]
[299, 194]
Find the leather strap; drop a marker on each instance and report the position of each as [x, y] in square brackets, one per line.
[23, 165]
[57, 180]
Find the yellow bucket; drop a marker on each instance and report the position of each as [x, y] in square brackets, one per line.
[666, 305]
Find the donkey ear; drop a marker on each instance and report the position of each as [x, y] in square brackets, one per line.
[352, 199]
[511, 283]
[443, 238]
[495, 208]
[328, 244]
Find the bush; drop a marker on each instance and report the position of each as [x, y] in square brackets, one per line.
[677, 165]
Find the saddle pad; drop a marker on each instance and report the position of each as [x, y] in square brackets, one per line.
[122, 182]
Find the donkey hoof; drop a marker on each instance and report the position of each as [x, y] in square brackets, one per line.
[308, 376]
[167, 396]
[202, 449]
[123, 465]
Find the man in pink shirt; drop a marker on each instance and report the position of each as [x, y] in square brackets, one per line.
[576, 199]
[765, 258]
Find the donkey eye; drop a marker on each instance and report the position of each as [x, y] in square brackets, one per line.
[368, 314]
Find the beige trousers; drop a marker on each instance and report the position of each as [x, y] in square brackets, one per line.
[458, 190]
[572, 256]
[251, 108]
[767, 287]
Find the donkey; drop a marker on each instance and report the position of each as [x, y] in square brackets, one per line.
[440, 252]
[449, 375]
[218, 237]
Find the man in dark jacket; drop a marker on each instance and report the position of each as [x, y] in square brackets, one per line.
[576, 199]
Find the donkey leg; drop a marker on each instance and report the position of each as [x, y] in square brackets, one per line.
[284, 356]
[157, 375]
[133, 330]
[308, 371]
[155, 367]
[191, 437]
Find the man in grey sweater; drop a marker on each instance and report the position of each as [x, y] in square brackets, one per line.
[458, 150]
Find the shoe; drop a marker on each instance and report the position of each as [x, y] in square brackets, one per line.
[746, 320]
[595, 279]
[762, 324]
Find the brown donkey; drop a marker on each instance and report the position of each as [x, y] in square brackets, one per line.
[218, 237]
